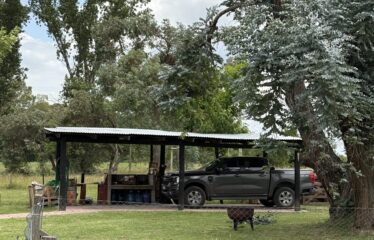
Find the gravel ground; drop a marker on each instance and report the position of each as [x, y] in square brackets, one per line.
[140, 208]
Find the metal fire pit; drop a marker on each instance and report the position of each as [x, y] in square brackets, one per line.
[240, 215]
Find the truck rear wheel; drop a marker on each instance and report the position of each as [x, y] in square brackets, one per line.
[284, 197]
[194, 196]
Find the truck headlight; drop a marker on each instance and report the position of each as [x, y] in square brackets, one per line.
[176, 179]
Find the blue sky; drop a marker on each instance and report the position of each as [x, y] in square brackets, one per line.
[34, 30]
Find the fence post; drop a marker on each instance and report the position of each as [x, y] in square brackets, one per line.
[181, 177]
[297, 180]
[63, 177]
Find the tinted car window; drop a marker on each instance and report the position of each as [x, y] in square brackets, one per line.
[244, 163]
[258, 162]
[229, 163]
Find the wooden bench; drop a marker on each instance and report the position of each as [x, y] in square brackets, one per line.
[319, 194]
[47, 193]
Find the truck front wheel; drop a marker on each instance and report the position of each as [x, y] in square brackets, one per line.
[284, 197]
[194, 196]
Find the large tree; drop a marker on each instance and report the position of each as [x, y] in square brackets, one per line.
[89, 34]
[309, 66]
[12, 16]
[22, 137]
[193, 86]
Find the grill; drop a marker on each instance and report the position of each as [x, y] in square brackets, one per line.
[240, 215]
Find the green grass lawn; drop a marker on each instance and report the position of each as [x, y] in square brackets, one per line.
[180, 225]
[156, 225]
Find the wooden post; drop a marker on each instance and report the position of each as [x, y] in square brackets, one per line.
[57, 169]
[216, 151]
[35, 217]
[161, 171]
[181, 177]
[297, 181]
[109, 188]
[63, 176]
[151, 154]
[82, 177]
[171, 159]
[162, 161]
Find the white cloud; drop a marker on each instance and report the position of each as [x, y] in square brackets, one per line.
[253, 126]
[45, 73]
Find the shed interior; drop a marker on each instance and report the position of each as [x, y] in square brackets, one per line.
[147, 186]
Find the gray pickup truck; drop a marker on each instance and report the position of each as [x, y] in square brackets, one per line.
[239, 178]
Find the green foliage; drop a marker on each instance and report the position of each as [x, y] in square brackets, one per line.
[127, 85]
[178, 88]
[12, 16]
[192, 72]
[192, 87]
[264, 219]
[90, 35]
[6, 42]
[22, 137]
[93, 33]
[309, 66]
[297, 46]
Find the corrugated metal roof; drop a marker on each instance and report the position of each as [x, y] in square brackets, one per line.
[161, 133]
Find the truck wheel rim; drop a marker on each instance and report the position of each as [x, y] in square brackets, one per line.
[285, 198]
[194, 198]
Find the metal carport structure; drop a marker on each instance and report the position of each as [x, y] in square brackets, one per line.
[63, 135]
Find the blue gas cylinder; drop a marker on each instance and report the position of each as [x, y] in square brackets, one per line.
[146, 197]
[138, 197]
[130, 196]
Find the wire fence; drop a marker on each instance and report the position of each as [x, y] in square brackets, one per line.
[214, 220]
[239, 220]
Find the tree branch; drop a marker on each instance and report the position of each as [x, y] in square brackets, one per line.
[213, 24]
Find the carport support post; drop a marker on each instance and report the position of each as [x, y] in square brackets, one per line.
[57, 169]
[181, 177]
[63, 181]
[297, 181]
[162, 161]
[216, 151]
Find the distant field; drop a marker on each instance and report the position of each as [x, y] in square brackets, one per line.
[13, 188]
[14, 196]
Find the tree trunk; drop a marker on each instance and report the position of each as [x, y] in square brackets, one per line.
[318, 152]
[113, 164]
[363, 185]
[53, 163]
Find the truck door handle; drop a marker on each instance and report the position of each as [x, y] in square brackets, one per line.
[210, 179]
[237, 175]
